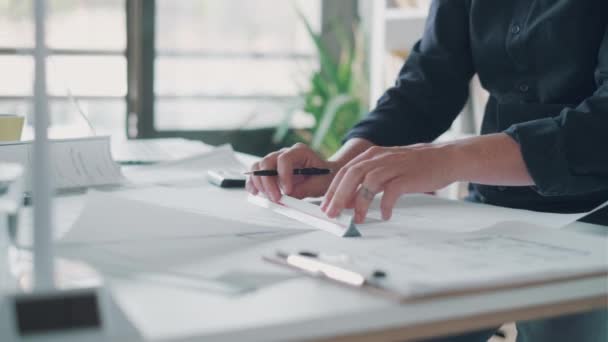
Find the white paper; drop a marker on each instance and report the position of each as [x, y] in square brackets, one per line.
[111, 218]
[125, 238]
[75, 163]
[67, 210]
[191, 171]
[209, 200]
[157, 150]
[171, 262]
[420, 262]
[434, 213]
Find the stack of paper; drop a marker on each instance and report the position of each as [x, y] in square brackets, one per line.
[187, 171]
[111, 218]
[75, 163]
[156, 150]
[139, 240]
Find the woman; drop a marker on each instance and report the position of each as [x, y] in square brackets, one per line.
[543, 142]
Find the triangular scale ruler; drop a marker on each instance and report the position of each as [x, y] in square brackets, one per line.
[309, 214]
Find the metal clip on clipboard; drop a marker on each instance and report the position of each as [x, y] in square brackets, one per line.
[314, 266]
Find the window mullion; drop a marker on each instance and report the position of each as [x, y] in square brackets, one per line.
[140, 68]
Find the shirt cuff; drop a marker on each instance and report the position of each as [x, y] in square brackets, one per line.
[367, 134]
[542, 148]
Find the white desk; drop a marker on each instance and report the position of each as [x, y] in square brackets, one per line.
[306, 309]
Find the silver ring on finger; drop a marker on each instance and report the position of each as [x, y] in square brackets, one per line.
[367, 193]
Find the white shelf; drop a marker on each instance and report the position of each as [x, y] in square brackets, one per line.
[398, 14]
[403, 29]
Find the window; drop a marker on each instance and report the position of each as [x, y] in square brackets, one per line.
[203, 65]
[230, 64]
[87, 42]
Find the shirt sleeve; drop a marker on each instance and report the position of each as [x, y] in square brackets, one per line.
[568, 154]
[432, 86]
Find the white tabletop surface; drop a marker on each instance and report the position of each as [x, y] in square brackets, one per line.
[307, 309]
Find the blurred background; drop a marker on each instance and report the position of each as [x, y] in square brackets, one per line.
[259, 74]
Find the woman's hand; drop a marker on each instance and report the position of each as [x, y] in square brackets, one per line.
[392, 170]
[493, 159]
[284, 161]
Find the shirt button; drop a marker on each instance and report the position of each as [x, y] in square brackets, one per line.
[515, 29]
[523, 88]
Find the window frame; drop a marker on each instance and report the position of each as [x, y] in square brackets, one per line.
[61, 52]
[142, 108]
[140, 54]
[29, 52]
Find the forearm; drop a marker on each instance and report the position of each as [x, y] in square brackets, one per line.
[493, 159]
[352, 148]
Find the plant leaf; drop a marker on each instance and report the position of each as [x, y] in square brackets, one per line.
[328, 65]
[331, 110]
[283, 128]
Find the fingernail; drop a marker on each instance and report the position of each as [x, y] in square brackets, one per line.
[333, 213]
[386, 216]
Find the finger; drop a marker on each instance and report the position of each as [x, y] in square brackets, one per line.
[351, 203]
[372, 184]
[348, 186]
[308, 188]
[331, 191]
[392, 191]
[254, 181]
[249, 187]
[270, 183]
[285, 166]
[258, 180]
[364, 197]
[333, 187]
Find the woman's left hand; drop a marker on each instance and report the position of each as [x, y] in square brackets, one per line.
[393, 170]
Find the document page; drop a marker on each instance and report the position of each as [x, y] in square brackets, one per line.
[156, 150]
[420, 211]
[209, 200]
[110, 218]
[75, 163]
[154, 243]
[420, 263]
[173, 263]
[191, 171]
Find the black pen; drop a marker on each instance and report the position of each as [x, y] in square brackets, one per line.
[309, 171]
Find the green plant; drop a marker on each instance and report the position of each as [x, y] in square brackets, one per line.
[336, 95]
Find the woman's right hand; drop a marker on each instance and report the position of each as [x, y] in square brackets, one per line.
[284, 161]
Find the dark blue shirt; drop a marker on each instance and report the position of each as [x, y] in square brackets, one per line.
[545, 65]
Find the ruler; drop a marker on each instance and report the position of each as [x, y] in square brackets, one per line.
[309, 214]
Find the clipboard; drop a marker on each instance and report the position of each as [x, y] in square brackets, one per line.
[318, 269]
[359, 282]
[308, 213]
